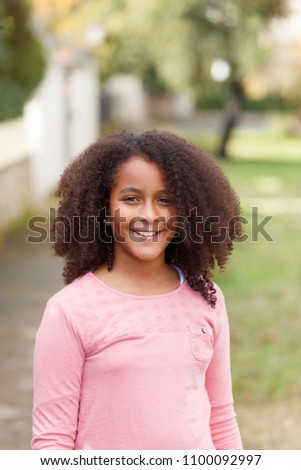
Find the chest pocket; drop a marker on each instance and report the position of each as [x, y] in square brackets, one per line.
[201, 342]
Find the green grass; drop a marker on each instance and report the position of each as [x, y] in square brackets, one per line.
[251, 178]
[266, 147]
[262, 288]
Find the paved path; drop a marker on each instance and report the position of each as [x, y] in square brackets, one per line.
[29, 274]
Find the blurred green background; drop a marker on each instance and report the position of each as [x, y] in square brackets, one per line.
[229, 75]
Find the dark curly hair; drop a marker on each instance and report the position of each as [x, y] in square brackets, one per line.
[201, 194]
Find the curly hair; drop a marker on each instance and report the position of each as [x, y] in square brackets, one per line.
[202, 196]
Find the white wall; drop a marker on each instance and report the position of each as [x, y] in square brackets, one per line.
[45, 130]
[61, 120]
[84, 108]
[14, 172]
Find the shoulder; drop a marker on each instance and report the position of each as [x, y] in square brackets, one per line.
[69, 302]
[220, 300]
[73, 309]
[215, 316]
[220, 310]
[77, 289]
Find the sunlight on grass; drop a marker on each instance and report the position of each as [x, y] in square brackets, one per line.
[256, 146]
[253, 144]
[252, 178]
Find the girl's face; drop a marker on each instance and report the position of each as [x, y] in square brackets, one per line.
[141, 212]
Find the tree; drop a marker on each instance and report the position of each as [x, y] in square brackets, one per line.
[21, 57]
[229, 30]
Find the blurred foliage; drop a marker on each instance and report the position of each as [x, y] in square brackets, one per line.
[272, 102]
[21, 57]
[171, 45]
[230, 30]
[216, 95]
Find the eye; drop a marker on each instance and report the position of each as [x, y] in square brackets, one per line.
[131, 199]
[164, 200]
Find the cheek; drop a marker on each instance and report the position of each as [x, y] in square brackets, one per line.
[119, 226]
[119, 232]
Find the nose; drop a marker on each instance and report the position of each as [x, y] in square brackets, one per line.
[149, 217]
[150, 212]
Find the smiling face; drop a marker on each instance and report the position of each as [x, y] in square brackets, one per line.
[142, 213]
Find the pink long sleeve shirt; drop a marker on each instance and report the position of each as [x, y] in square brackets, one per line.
[120, 371]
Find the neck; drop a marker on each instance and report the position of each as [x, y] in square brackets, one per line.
[140, 270]
[139, 277]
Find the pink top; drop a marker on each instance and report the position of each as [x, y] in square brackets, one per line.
[120, 371]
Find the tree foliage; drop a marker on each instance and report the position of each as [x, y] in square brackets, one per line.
[171, 43]
[231, 30]
[21, 57]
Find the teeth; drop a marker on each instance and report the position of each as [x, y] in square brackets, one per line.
[147, 234]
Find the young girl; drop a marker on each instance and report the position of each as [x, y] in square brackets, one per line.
[134, 352]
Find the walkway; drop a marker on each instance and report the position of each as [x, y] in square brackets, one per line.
[29, 274]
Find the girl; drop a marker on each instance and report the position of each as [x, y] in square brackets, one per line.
[134, 352]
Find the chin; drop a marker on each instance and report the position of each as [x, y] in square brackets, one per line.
[146, 256]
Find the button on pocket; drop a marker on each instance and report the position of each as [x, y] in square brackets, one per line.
[201, 342]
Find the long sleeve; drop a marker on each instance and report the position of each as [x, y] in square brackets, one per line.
[223, 424]
[58, 365]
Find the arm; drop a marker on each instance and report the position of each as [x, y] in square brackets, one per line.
[58, 366]
[224, 428]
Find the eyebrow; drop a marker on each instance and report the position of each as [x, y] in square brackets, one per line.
[135, 190]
